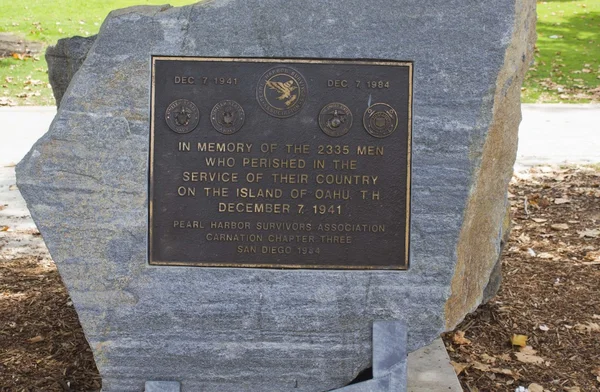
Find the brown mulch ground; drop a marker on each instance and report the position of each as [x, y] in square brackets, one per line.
[550, 294]
[42, 346]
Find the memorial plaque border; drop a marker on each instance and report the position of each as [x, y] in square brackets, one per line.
[275, 60]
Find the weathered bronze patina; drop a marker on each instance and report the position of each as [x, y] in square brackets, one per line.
[280, 163]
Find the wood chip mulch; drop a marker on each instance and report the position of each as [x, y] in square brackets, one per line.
[42, 346]
[540, 333]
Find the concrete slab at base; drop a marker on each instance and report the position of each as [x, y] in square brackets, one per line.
[389, 359]
[429, 370]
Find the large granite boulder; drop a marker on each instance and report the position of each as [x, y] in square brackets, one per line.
[232, 330]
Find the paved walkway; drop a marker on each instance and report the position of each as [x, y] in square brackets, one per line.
[559, 133]
[20, 127]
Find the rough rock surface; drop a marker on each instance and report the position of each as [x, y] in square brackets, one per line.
[232, 330]
[64, 59]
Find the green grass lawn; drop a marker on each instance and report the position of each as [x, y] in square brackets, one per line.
[567, 58]
[566, 69]
[25, 81]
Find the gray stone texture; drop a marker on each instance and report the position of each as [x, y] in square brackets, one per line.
[162, 386]
[234, 330]
[64, 59]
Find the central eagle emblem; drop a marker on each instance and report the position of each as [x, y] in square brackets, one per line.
[285, 89]
[281, 92]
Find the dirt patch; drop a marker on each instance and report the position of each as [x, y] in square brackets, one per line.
[543, 327]
[13, 45]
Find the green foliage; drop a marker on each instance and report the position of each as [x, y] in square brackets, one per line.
[49, 20]
[567, 58]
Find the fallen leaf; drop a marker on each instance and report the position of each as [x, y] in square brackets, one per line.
[36, 339]
[561, 200]
[527, 355]
[593, 256]
[487, 358]
[533, 387]
[572, 389]
[12, 187]
[560, 226]
[2, 206]
[545, 255]
[591, 263]
[459, 367]
[544, 327]
[539, 220]
[519, 340]
[524, 239]
[3, 228]
[459, 338]
[33, 82]
[504, 357]
[590, 233]
[5, 101]
[487, 368]
[589, 327]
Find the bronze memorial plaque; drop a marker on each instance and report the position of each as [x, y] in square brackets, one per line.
[280, 163]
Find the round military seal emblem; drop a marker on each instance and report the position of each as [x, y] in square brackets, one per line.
[182, 116]
[335, 119]
[380, 120]
[227, 117]
[281, 92]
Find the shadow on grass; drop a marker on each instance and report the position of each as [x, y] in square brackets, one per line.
[578, 27]
[568, 54]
